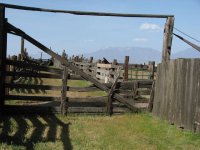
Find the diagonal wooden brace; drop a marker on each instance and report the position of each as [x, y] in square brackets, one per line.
[110, 95]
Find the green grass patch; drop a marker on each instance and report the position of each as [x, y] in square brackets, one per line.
[123, 132]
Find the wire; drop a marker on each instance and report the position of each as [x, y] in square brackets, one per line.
[187, 35]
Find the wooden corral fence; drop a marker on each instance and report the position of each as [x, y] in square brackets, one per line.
[106, 72]
[6, 27]
[24, 75]
[177, 93]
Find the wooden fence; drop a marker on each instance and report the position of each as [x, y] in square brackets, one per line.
[177, 93]
[18, 72]
[106, 72]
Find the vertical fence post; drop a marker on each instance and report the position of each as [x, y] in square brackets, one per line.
[63, 105]
[167, 40]
[152, 69]
[22, 45]
[126, 68]
[3, 51]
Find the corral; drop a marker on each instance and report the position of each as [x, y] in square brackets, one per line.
[170, 75]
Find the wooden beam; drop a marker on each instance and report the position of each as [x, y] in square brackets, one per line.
[22, 45]
[126, 68]
[32, 74]
[110, 95]
[188, 42]
[152, 69]
[82, 89]
[151, 100]
[64, 90]
[3, 51]
[167, 40]
[32, 86]
[84, 12]
[32, 98]
[23, 64]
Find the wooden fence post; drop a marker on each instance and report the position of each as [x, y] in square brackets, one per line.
[91, 60]
[167, 40]
[150, 105]
[126, 68]
[64, 91]
[152, 69]
[22, 45]
[3, 51]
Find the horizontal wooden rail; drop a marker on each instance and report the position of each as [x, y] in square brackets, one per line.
[19, 109]
[83, 12]
[87, 99]
[32, 86]
[32, 74]
[130, 84]
[75, 77]
[22, 64]
[32, 98]
[83, 89]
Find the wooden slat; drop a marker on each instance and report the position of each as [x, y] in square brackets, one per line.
[31, 86]
[33, 74]
[13, 109]
[83, 12]
[30, 109]
[23, 64]
[92, 99]
[32, 98]
[64, 91]
[110, 95]
[150, 106]
[83, 89]
[129, 92]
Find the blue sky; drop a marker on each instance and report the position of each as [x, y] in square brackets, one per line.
[85, 34]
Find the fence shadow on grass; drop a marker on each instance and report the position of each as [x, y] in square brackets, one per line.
[28, 130]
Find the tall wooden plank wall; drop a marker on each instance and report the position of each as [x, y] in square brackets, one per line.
[177, 93]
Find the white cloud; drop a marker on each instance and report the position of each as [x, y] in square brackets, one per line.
[150, 27]
[140, 40]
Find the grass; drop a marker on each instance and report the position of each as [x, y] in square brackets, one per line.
[123, 132]
[84, 132]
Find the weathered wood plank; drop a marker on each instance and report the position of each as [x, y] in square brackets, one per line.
[32, 86]
[167, 40]
[126, 68]
[83, 12]
[110, 95]
[64, 91]
[150, 105]
[33, 74]
[32, 98]
[82, 89]
[23, 64]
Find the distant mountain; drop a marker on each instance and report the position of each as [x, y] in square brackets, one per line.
[187, 53]
[136, 54]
